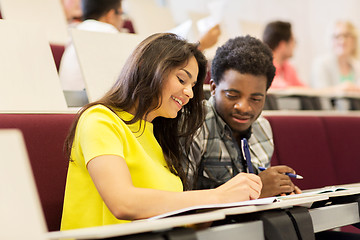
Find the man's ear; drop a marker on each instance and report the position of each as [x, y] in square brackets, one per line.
[282, 44]
[212, 87]
[109, 16]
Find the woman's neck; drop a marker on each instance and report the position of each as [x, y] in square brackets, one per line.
[344, 65]
[149, 118]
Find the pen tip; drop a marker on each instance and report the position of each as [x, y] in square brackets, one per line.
[299, 177]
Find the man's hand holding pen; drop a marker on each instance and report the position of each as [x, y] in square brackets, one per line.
[276, 181]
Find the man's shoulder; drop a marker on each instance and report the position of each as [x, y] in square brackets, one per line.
[96, 26]
[210, 127]
[262, 126]
[261, 121]
[209, 110]
[210, 113]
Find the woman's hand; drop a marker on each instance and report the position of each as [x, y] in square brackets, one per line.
[242, 187]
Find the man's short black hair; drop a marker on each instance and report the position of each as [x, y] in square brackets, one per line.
[275, 32]
[246, 55]
[94, 9]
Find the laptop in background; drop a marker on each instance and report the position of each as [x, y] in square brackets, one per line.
[76, 98]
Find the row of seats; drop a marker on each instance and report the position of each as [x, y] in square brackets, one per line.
[323, 149]
[303, 102]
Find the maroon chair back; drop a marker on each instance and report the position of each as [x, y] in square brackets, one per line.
[44, 136]
[57, 52]
[129, 26]
[301, 143]
[343, 135]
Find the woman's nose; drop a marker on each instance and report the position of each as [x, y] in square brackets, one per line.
[188, 91]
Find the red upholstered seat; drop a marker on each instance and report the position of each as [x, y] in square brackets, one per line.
[301, 143]
[44, 136]
[129, 26]
[274, 159]
[57, 52]
[343, 134]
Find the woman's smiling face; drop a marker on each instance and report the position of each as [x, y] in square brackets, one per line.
[177, 90]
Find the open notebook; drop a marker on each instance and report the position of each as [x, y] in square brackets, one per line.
[305, 199]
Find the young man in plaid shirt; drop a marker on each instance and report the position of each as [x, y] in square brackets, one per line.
[242, 72]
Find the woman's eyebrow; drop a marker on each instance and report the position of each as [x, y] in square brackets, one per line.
[187, 72]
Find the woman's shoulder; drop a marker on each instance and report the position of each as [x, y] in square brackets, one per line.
[326, 62]
[98, 109]
[100, 118]
[100, 112]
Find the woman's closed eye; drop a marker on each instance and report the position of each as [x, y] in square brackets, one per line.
[180, 80]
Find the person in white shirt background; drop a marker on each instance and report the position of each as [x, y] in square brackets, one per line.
[99, 16]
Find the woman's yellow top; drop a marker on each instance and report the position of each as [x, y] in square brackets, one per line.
[102, 132]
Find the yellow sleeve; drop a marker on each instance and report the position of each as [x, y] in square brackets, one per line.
[101, 132]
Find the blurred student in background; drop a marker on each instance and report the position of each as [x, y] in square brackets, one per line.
[210, 38]
[124, 150]
[72, 11]
[340, 69]
[279, 37]
[99, 16]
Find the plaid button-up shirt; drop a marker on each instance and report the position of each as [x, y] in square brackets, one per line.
[215, 156]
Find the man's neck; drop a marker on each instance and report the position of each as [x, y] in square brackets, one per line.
[278, 58]
[240, 135]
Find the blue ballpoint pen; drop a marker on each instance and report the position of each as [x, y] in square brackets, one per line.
[289, 174]
[246, 153]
